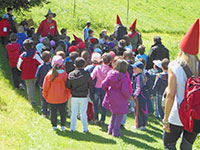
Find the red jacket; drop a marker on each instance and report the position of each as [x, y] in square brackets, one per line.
[4, 27]
[46, 28]
[27, 63]
[13, 50]
[55, 92]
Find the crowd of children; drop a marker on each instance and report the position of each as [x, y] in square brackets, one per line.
[107, 73]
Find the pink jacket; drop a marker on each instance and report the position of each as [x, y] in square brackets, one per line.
[100, 72]
[117, 92]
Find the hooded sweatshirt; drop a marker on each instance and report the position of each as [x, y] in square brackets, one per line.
[13, 50]
[21, 37]
[100, 73]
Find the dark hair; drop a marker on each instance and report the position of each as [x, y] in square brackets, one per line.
[63, 30]
[59, 48]
[112, 37]
[101, 35]
[79, 62]
[107, 58]
[122, 43]
[128, 54]
[46, 55]
[73, 56]
[30, 33]
[45, 48]
[88, 23]
[127, 39]
[86, 55]
[157, 39]
[73, 42]
[141, 49]
[28, 44]
[46, 42]
[121, 66]
[165, 63]
[106, 37]
[13, 37]
[90, 32]
[61, 53]
[9, 9]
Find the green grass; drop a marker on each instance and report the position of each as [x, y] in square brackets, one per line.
[21, 125]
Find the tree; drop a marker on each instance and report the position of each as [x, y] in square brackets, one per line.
[19, 5]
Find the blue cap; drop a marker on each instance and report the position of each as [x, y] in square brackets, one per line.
[98, 50]
[5, 16]
[138, 64]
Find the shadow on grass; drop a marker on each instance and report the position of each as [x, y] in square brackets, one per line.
[88, 137]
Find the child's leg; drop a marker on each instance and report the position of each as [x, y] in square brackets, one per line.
[74, 112]
[14, 72]
[69, 106]
[103, 110]
[54, 114]
[124, 119]
[62, 111]
[157, 110]
[43, 104]
[83, 111]
[112, 122]
[31, 89]
[137, 113]
[116, 129]
[96, 105]
[161, 112]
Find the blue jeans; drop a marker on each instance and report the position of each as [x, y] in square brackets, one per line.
[98, 99]
[124, 119]
[44, 104]
[160, 109]
[155, 100]
[170, 139]
[76, 104]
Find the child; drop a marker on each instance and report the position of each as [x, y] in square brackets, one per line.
[101, 38]
[86, 29]
[128, 43]
[117, 95]
[55, 92]
[21, 36]
[160, 84]
[79, 82]
[42, 70]
[100, 73]
[121, 48]
[4, 30]
[27, 64]
[13, 50]
[141, 50]
[141, 96]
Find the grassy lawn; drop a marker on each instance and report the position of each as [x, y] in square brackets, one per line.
[21, 125]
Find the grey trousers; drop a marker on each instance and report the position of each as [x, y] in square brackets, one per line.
[30, 84]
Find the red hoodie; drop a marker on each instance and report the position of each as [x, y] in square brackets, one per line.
[13, 50]
[4, 27]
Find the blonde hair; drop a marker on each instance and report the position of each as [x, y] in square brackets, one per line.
[21, 29]
[191, 60]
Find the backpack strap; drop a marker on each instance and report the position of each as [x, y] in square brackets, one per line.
[186, 69]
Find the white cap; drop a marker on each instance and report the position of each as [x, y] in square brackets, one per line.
[158, 63]
[96, 57]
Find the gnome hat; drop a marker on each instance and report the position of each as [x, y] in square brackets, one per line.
[133, 25]
[118, 21]
[190, 42]
[50, 12]
[77, 40]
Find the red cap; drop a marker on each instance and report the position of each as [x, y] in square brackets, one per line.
[92, 40]
[133, 25]
[190, 42]
[72, 48]
[77, 40]
[118, 21]
[81, 45]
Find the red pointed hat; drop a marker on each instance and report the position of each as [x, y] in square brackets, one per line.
[133, 25]
[190, 42]
[77, 40]
[118, 21]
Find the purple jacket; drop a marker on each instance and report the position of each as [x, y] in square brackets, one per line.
[117, 92]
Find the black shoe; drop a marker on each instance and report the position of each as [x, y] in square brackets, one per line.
[122, 127]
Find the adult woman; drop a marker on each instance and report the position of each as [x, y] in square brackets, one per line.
[172, 125]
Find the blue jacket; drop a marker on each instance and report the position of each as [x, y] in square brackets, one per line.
[21, 37]
[160, 84]
[42, 70]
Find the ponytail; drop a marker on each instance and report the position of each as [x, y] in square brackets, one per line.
[54, 72]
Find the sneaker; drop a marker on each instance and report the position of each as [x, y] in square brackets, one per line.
[63, 128]
[21, 86]
[142, 128]
[122, 127]
[54, 128]
[72, 131]
[134, 127]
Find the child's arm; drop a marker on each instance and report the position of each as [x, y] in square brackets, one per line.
[125, 89]
[138, 87]
[94, 73]
[46, 86]
[38, 59]
[19, 63]
[156, 85]
[105, 82]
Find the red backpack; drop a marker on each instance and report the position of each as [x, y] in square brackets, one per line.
[189, 109]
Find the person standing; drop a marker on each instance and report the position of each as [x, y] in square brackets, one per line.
[172, 125]
[86, 29]
[157, 52]
[135, 37]
[4, 30]
[48, 26]
[11, 20]
[120, 30]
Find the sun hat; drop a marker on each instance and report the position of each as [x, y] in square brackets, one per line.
[158, 63]
[57, 60]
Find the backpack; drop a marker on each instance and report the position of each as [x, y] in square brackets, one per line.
[189, 109]
[120, 32]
